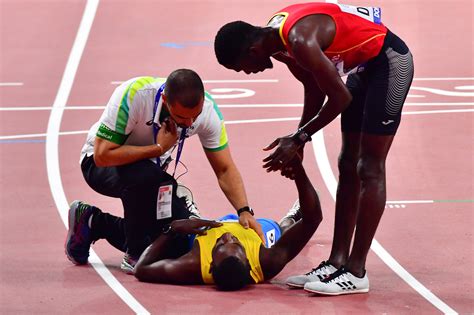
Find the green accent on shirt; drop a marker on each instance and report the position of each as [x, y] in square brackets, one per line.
[217, 149]
[108, 134]
[127, 100]
[216, 108]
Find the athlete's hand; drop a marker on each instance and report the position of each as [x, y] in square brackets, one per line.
[293, 167]
[286, 149]
[298, 72]
[248, 221]
[167, 135]
[193, 226]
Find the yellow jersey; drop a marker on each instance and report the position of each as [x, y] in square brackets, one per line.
[249, 239]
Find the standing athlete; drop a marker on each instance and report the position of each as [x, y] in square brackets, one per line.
[320, 42]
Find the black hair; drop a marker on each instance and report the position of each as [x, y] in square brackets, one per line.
[232, 39]
[184, 86]
[231, 274]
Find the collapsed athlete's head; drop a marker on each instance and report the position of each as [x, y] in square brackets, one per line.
[241, 46]
[184, 96]
[230, 267]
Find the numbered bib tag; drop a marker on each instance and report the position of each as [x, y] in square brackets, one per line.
[163, 203]
[372, 14]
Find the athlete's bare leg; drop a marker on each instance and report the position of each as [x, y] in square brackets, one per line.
[347, 199]
[371, 170]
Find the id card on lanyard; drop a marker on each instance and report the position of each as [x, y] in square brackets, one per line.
[156, 129]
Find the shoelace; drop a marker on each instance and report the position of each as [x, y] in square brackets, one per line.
[322, 266]
[340, 273]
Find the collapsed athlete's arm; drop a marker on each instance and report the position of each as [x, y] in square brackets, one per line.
[274, 259]
[153, 265]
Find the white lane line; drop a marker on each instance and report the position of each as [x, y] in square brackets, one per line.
[266, 81]
[301, 104]
[241, 81]
[447, 111]
[40, 135]
[52, 158]
[39, 108]
[324, 166]
[230, 122]
[250, 121]
[221, 81]
[11, 83]
[411, 201]
[445, 79]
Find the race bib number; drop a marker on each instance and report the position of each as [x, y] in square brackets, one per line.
[372, 14]
[163, 203]
[271, 238]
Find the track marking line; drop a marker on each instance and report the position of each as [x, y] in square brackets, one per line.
[221, 81]
[52, 156]
[445, 79]
[11, 84]
[99, 107]
[232, 122]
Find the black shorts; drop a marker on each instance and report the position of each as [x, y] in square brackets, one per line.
[378, 93]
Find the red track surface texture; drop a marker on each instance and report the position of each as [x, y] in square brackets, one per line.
[430, 161]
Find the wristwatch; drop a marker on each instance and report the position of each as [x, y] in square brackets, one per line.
[246, 208]
[302, 136]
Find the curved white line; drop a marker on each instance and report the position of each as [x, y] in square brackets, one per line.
[330, 180]
[52, 157]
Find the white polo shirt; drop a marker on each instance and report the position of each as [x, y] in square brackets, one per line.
[128, 117]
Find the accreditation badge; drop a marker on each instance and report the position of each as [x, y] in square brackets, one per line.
[163, 203]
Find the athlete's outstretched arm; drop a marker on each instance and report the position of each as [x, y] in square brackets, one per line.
[274, 259]
[153, 267]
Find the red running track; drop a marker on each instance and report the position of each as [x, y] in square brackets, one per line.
[430, 161]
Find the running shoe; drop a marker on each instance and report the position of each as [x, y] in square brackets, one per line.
[293, 216]
[324, 270]
[186, 194]
[340, 282]
[79, 236]
[128, 263]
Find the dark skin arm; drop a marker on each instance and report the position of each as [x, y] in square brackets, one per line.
[153, 266]
[307, 39]
[274, 259]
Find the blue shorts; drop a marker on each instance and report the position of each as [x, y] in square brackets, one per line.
[270, 228]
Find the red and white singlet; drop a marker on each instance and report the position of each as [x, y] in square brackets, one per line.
[359, 32]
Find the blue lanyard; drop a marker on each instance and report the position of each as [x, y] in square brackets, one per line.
[156, 129]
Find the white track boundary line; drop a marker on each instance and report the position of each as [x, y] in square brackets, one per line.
[233, 122]
[101, 107]
[11, 83]
[324, 166]
[52, 156]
